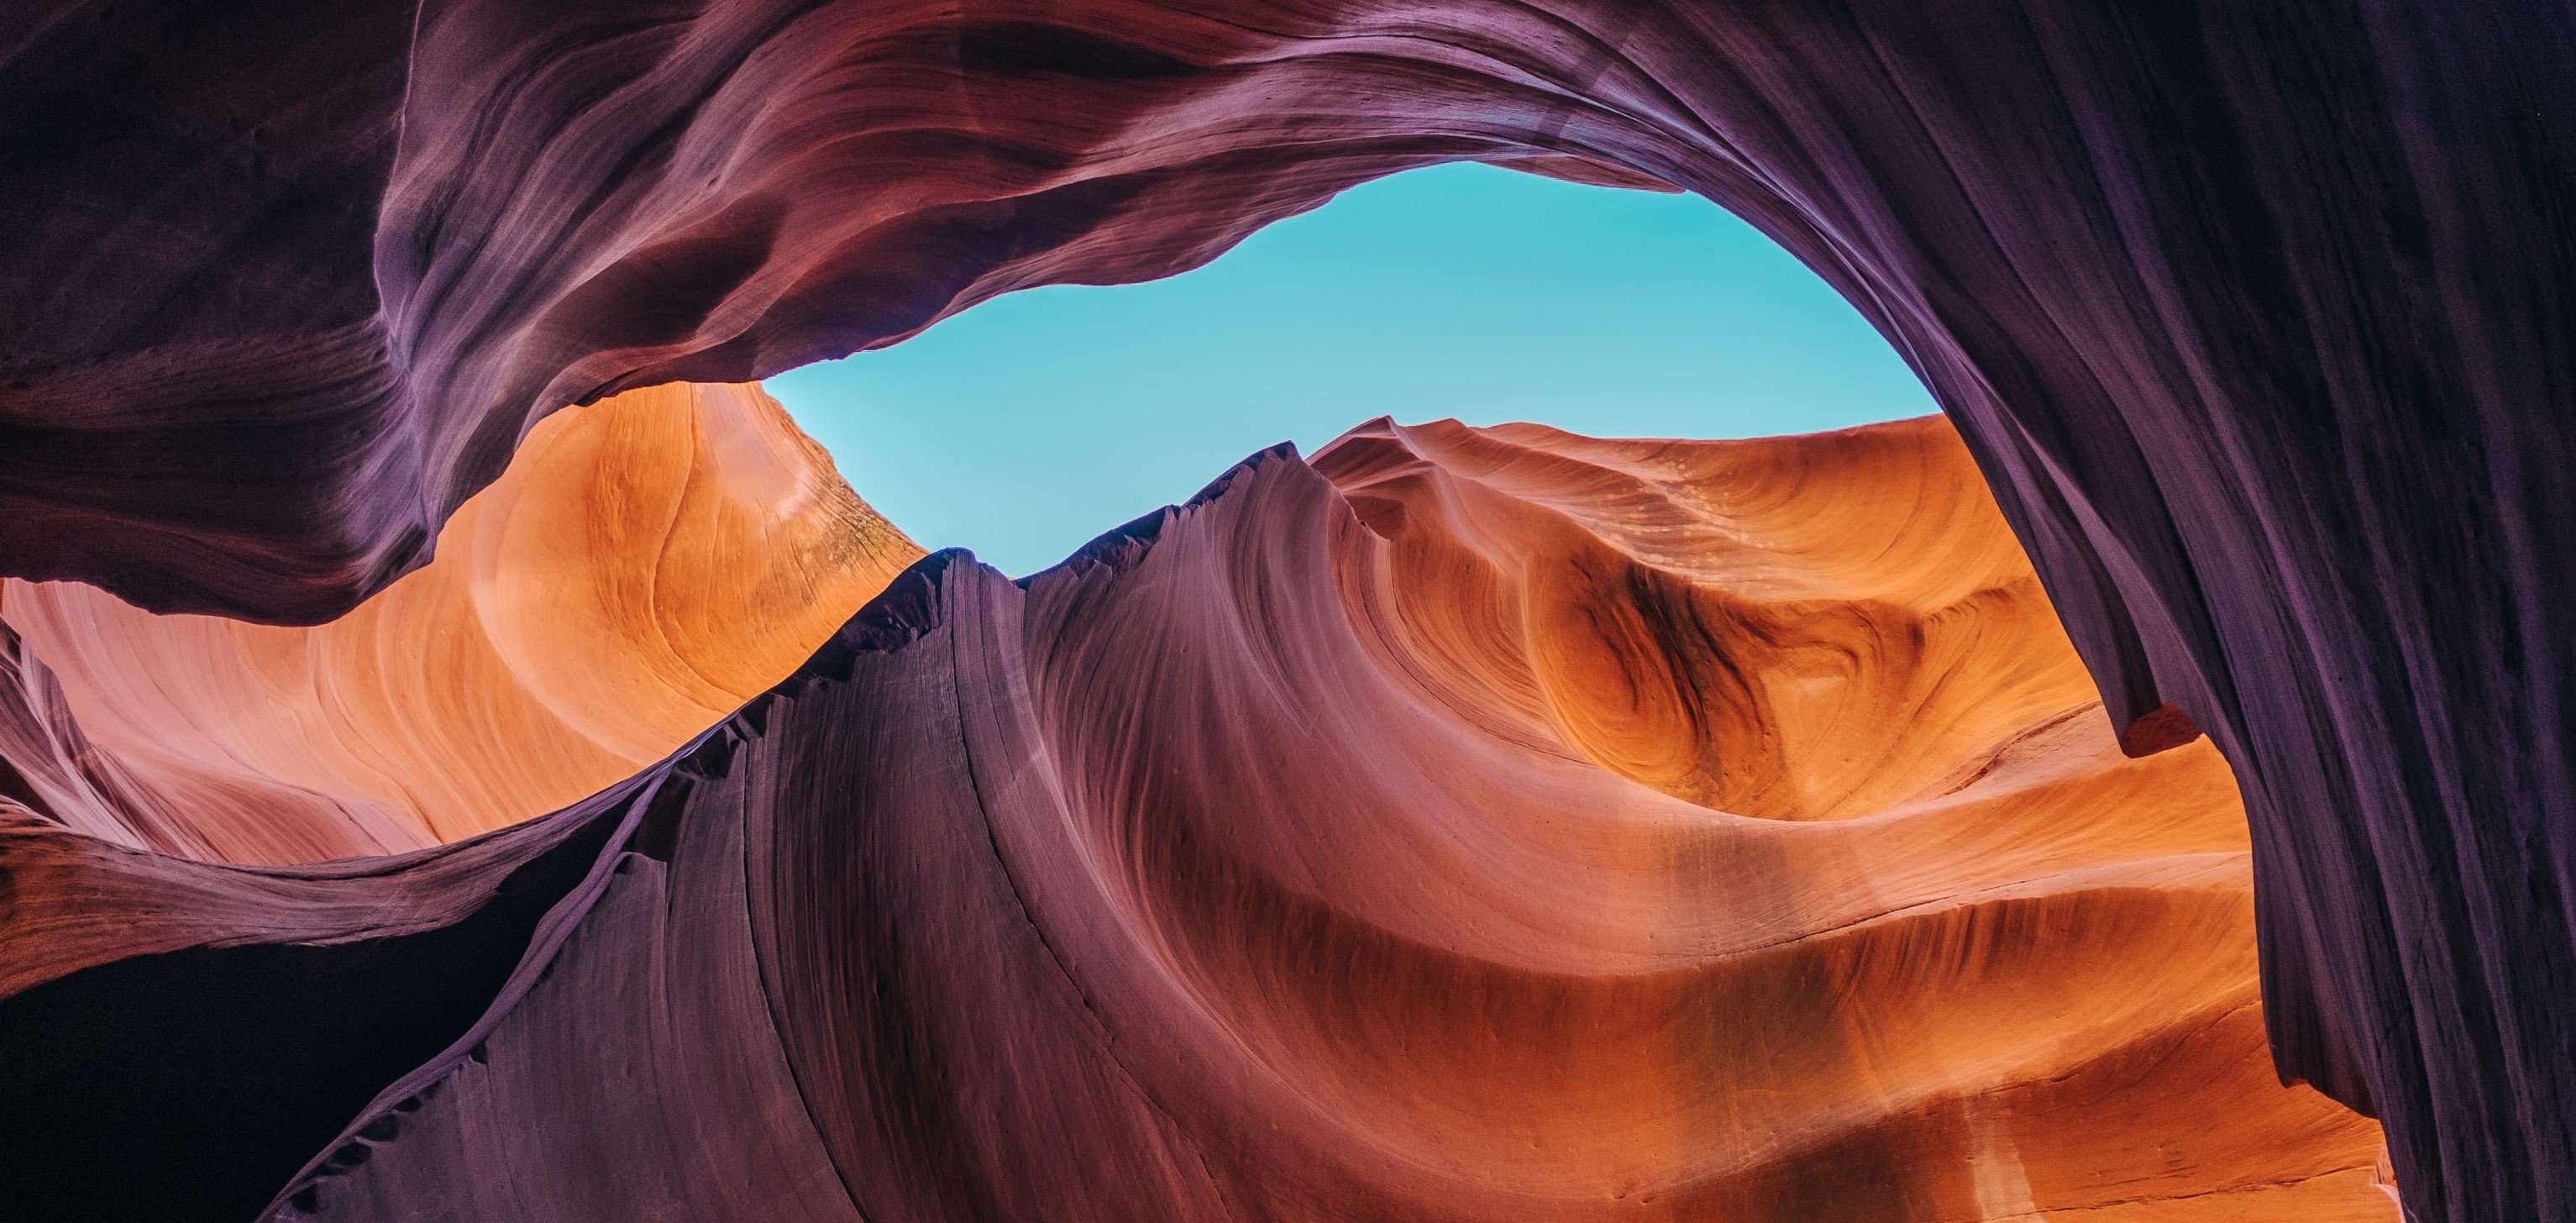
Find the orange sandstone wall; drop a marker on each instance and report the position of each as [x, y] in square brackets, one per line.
[1797, 628]
[1468, 825]
[646, 565]
[2256, 315]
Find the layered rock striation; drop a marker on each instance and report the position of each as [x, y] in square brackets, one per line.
[1472, 824]
[2254, 316]
[649, 563]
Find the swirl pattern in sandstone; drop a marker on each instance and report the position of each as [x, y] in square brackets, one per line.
[649, 563]
[1473, 825]
[2254, 314]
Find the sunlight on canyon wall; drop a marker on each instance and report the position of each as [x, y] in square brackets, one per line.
[647, 564]
[1472, 824]
[2254, 316]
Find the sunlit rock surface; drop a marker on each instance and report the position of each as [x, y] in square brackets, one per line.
[2254, 314]
[649, 563]
[1474, 825]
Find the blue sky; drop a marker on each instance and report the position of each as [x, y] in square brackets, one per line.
[1029, 424]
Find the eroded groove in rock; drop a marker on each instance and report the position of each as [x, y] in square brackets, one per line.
[649, 563]
[2255, 316]
[1796, 630]
[1279, 857]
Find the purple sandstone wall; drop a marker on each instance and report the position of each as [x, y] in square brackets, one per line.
[2257, 317]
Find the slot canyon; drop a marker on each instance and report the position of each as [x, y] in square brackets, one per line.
[466, 754]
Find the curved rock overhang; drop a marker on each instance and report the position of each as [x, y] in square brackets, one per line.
[2256, 318]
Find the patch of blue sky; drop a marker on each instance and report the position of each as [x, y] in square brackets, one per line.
[1030, 423]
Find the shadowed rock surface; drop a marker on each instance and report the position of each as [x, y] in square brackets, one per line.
[2254, 315]
[1475, 824]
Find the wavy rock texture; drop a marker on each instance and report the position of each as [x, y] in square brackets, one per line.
[648, 564]
[1475, 824]
[2254, 315]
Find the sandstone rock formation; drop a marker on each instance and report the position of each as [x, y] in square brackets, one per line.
[2255, 316]
[649, 563]
[1474, 824]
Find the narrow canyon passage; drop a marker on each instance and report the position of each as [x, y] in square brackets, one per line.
[2253, 320]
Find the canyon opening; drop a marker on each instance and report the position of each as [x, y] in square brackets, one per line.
[467, 751]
